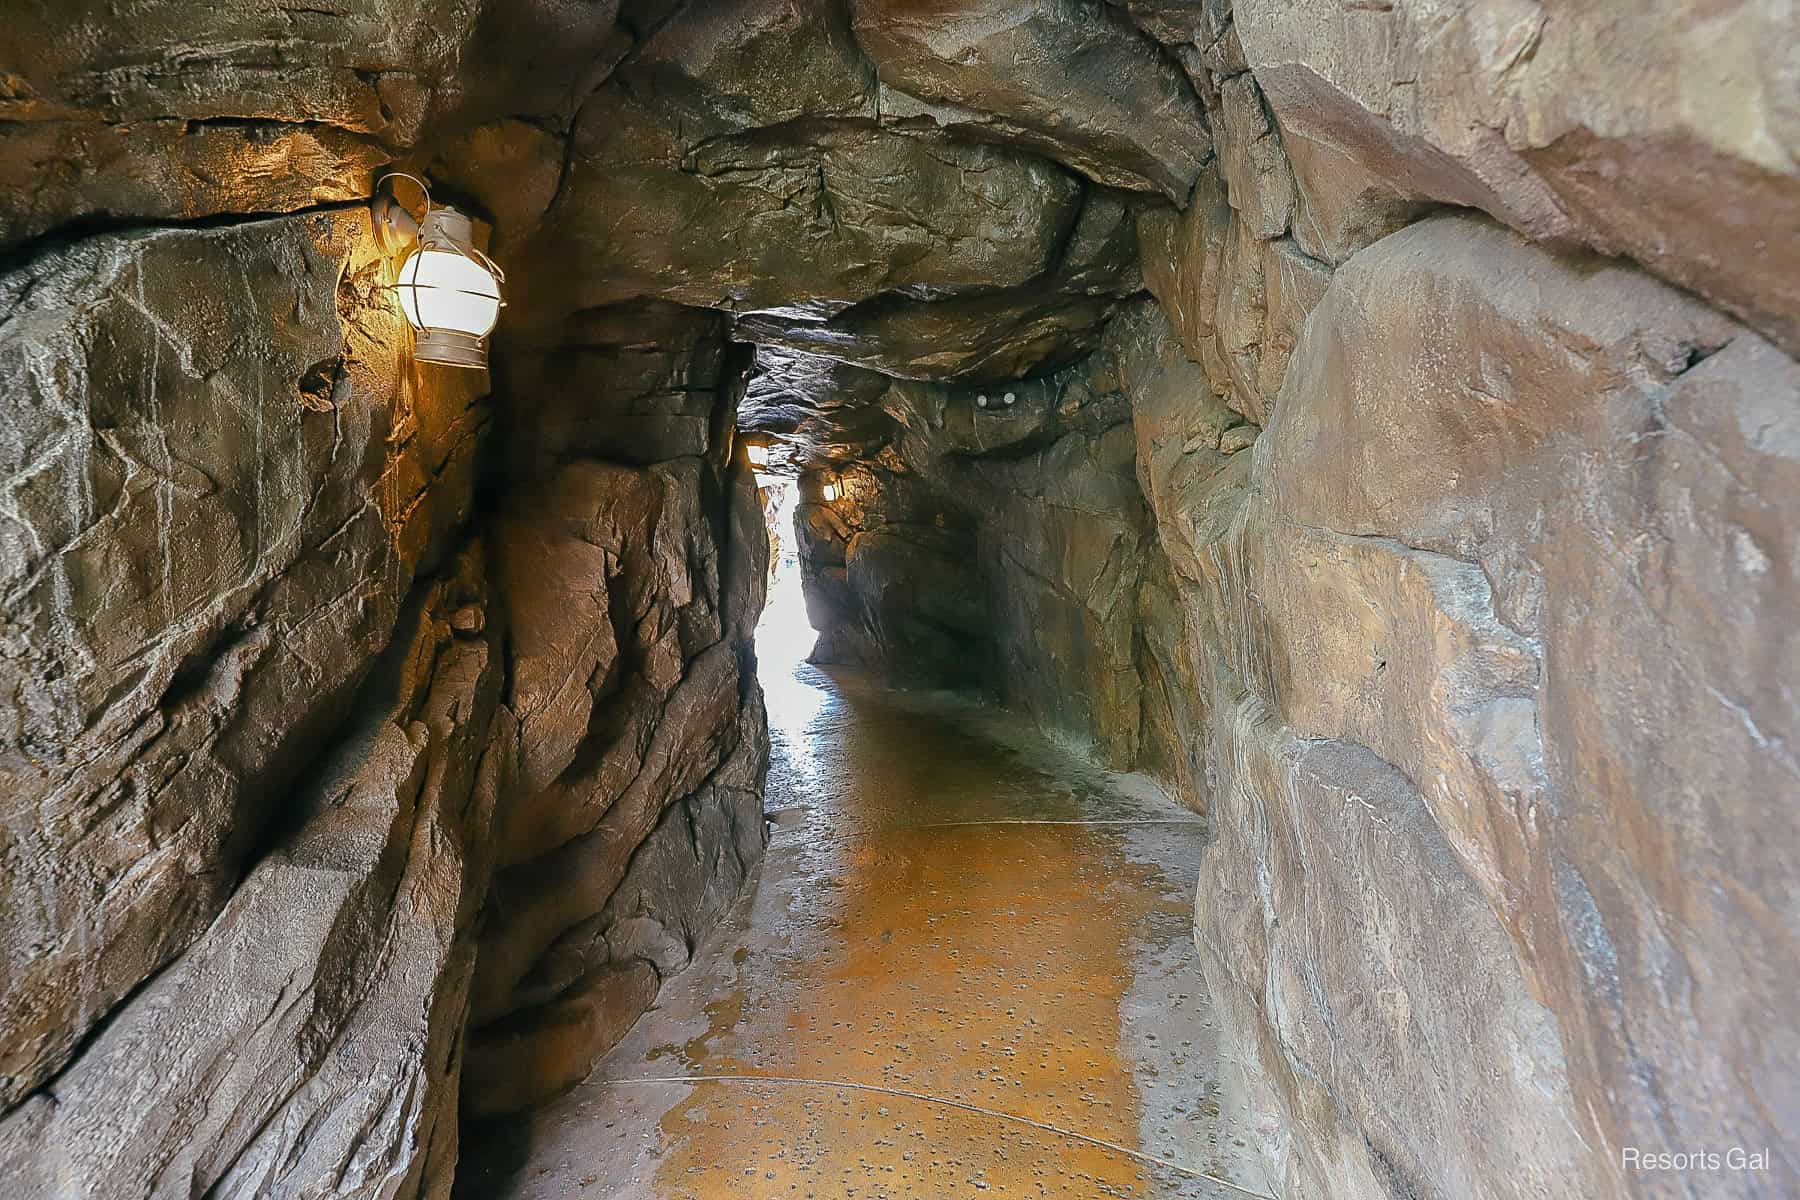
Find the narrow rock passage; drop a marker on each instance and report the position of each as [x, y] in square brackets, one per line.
[967, 968]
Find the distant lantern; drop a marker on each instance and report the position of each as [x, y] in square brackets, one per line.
[832, 490]
[448, 290]
[759, 454]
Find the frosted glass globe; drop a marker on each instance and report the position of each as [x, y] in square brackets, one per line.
[441, 289]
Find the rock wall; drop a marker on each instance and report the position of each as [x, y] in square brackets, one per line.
[312, 1031]
[1454, 587]
[1376, 420]
[633, 601]
[316, 658]
[1488, 624]
[1537, 674]
[224, 479]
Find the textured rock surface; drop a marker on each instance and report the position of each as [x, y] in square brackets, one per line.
[599, 973]
[988, 338]
[1547, 117]
[633, 696]
[995, 336]
[816, 408]
[1641, 517]
[888, 579]
[226, 727]
[258, 107]
[1237, 299]
[364, 742]
[741, 158]
[221, 479]
[1401, 679]
[1063, 546]
[313, 1032]
[820, 213]
[633, 383]
[1067, 78]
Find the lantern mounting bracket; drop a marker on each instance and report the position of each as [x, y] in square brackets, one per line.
[396, 229]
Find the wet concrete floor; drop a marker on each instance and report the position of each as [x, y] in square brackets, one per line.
[966, 968]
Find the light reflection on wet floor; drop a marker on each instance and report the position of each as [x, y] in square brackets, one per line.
[965, 968]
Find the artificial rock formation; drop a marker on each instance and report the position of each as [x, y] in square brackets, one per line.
[1456, 604]
[279, 696]
[632, 690]
[224, 478]
[1376, 421]
[1483, 624]
[312, 1031]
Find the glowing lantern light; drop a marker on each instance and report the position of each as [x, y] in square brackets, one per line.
[832, 490]
[448, 290]
[450, 293]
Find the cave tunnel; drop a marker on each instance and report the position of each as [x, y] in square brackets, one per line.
[883, 598]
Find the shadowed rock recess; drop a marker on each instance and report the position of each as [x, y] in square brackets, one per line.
[1379, 422]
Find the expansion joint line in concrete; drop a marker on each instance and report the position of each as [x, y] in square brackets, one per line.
[1047, 821]
[777, 842]
[901, 1093]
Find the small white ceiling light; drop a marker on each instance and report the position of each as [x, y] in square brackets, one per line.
[448, 290]
[981, 401]
[1009, 399]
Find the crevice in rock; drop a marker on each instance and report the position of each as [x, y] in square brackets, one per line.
[267, 128]
[22, 255]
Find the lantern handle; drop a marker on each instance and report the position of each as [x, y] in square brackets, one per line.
[403, 175]
[489, 264]
[469, 252]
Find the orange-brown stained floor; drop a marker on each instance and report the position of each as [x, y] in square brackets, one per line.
[966, 968]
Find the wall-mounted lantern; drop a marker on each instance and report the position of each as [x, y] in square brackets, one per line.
[833, 488]
[448, 290]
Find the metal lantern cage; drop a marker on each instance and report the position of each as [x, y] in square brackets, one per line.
[448, 290]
